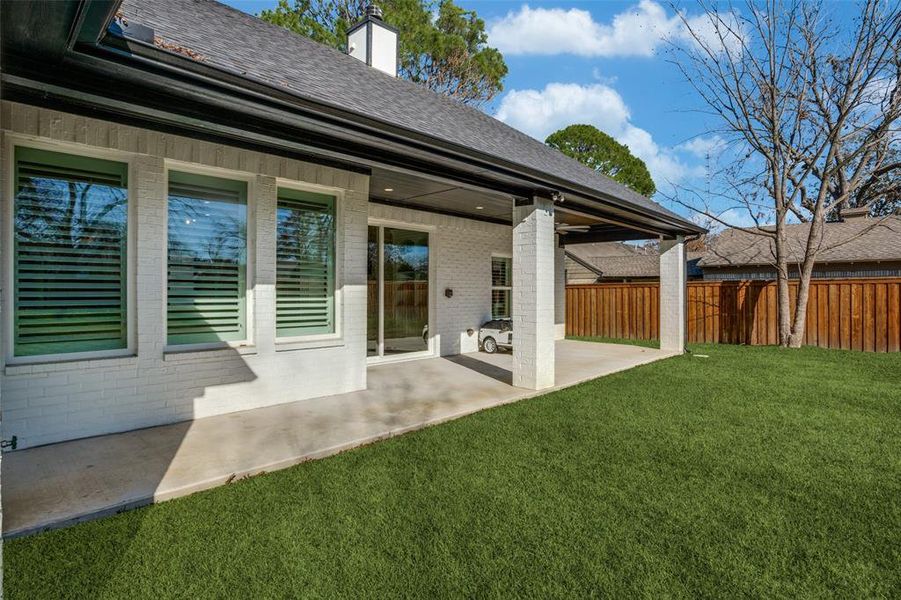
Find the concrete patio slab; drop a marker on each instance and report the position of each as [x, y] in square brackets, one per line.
[60, 484]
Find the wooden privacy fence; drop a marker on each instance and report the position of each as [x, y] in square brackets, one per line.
[406, 306]
[853, 314]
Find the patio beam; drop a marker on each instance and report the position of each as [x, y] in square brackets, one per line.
[533, 293]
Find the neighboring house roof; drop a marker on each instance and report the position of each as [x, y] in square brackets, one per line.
[601, 249]
[854, 240]
[223, 37]
[579, 270]
[621, 261]
[648, 265]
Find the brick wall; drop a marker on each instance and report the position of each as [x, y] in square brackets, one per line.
[44, 403]
[461, 251]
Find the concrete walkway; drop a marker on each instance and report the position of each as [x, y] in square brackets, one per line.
[63, 483]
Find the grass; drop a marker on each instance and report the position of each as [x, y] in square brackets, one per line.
[610, 340]
[754, 472]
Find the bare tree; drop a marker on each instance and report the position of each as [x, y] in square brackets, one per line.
[809, 107]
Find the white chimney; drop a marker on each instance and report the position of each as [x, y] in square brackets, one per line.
[374, 42]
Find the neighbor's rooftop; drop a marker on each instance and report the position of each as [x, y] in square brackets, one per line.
[854, 240]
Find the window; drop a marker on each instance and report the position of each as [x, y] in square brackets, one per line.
[70, 254]
[501, 286]
[305, 264]
[207, 261]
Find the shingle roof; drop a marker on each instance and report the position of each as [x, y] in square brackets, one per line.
[647, 265]
[854, 240]
[615, 260]
[578, 271]
[601, 249]
[228, 38]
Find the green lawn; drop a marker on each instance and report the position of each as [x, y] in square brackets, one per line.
[754, 472]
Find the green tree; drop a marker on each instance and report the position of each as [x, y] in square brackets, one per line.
[594, 148]
[441, 45]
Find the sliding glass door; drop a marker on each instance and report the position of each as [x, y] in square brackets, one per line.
[398, 292]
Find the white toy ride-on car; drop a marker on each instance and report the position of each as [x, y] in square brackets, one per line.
[495, 334]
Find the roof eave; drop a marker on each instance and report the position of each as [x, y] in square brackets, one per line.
[534, 177]
[91, 36]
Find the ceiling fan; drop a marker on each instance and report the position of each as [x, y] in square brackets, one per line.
[564, 228]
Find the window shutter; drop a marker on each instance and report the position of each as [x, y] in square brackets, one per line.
[207, 259]
[501, 282]
[500, 304]
[501, 271]
[305, 250]
[70, 263]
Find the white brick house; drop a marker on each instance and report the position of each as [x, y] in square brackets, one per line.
[258, 233]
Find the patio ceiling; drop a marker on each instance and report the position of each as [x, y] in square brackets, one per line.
[447, 196]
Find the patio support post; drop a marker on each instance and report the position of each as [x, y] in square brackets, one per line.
[673, 294]
[559, 289]
[533, 293]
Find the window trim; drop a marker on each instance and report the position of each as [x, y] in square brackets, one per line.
[508, 288]
[11, 144]
[250, 179]
[316, 340]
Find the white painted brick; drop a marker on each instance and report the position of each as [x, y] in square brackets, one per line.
[673, 294]
[462, 250]
[533, 294]
[559, 290]
[50, 403]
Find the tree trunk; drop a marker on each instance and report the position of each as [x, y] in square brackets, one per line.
[782, 289]
[800, 320]
[813, 245]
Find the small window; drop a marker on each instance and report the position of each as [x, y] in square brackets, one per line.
[305, 267]
[501, 286]
[207, 262]
[70, 244]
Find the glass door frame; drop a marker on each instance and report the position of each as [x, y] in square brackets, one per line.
[431, 352]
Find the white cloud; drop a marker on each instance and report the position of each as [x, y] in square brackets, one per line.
[702, 146]
[539, 113]
[637, 31]
[601, 78]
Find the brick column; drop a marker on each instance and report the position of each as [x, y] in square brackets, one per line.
[266, 202]
[149, 206]
[559, 290]
[533, 293]
[673, 293]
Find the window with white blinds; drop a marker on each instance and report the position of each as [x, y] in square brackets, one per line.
[70, 253]
[305, 263]
[207, 259]
[501, 286]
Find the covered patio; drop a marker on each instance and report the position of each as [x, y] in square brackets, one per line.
[60, 484]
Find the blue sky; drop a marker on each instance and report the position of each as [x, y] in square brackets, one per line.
[604, 63]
